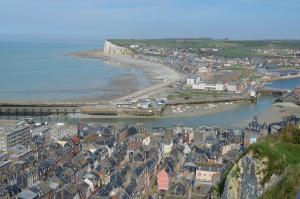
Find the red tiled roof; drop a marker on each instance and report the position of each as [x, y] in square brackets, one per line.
[163, 180]
[75, 139]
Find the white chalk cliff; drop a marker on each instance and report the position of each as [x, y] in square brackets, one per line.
[111, 49]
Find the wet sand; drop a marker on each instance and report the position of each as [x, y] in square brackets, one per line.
[279, 111]
[198, 109]
[161, 76]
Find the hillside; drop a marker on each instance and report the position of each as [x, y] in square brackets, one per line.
[270, 169]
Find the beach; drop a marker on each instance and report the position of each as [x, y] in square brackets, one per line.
[162, 77]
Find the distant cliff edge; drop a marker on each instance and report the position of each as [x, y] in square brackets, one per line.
[111, 49]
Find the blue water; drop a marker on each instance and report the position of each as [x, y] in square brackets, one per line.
[236, 117]
[284, 84]
[41, 70]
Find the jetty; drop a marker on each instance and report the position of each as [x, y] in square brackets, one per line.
[36, 108]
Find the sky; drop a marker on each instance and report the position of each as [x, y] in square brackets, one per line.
[233, 19]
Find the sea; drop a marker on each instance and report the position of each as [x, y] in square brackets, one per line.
[34, 68]
[40, 69]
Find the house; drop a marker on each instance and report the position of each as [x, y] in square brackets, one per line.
[105, 191]
[297, 92]
[13, 190]
[209, 174]
[130, 190]
[275, 128]
[4, 166]
[27, 194]
[68, 191]
[219, 87]
[232, 88]
[163, 143]
[4, 156]
[43, 190]
[254, 131]
[193, 80]
[44, 168]
[137, 156]
[4, 194]
[199, 86]
[202, 70]
[19, 152]
[202, 191]
[101, 152]
[28, 178]
[140, 175]
[186, 134]
[208, 86]
[84, 190]
[293, 121]
[227, 146]
[163, 180]
[134, 142]
[92, 179]
[178, 189]
[55, 183]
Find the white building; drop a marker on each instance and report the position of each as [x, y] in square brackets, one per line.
[205, 86]
[200, 86]
[252, 93]
[203, 70]
[219, 87]
[193, 80]
[190, 81]
[232, 88]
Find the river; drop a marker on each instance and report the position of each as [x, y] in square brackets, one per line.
[235, 117]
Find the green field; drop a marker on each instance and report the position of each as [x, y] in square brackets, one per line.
[228, 48]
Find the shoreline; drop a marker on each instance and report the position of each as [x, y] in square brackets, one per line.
[197, 111]
[159, 75]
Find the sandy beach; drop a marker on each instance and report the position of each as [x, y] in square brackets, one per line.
[161, 76]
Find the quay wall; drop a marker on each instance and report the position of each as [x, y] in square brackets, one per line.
[204, 101]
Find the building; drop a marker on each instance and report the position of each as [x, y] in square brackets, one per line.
[19, 153]
[208, 86]
[232, 88]
[209, 174]
[297, 92]
[11, 136]
[193, 80]
[163, 180]
[254, 131]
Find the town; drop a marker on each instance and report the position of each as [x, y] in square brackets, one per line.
[91, 160]
[214, 70]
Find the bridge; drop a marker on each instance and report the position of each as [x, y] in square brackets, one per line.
[277, 91]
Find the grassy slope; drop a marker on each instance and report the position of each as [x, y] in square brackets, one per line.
[283, 151]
